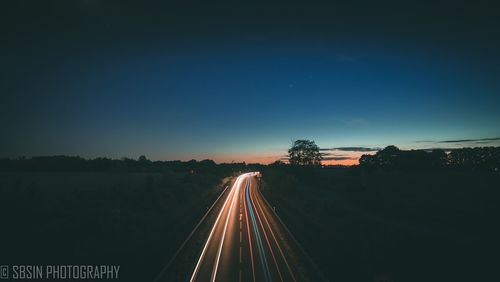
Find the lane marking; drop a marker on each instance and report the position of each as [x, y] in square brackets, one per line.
[249, 240]
[197, 267]
[265, 265]
[190, 235]
[265, 236]
[217, 259]
[274, 237]
[241, 198]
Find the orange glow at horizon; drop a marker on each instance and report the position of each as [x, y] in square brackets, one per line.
[352, 158]
[341, 162]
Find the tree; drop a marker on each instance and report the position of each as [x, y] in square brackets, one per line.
[277, 163]
[367, 160]
[304, 152]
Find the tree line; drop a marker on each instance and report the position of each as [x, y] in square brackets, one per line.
[77, 163]
[392, 157]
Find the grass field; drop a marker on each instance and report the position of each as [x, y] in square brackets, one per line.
[392, 226]
[134, 219]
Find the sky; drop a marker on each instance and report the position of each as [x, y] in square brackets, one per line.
[240, 82]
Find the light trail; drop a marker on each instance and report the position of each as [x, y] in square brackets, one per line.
[276, 241]
[260, 246]
[195, 272]
[256, 254]
[249, 239]
[265, 236]
[216, 265]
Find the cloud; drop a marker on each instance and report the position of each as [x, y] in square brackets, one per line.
[358, 149]
[479, 140]
[462, 141]
[329, 157]
[331, 154]
[338, 158]
[485, 142]
[352, 149]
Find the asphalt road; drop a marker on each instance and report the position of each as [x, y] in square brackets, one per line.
[246, 241]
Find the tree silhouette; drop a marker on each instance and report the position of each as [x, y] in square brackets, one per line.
[475, 158]
[304, 152]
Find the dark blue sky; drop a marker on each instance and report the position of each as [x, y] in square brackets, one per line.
[240, 82]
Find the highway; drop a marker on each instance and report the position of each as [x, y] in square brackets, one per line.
[246, 241]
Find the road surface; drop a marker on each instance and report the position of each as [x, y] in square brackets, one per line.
[246, 242]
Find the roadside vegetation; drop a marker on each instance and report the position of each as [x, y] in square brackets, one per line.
[399, 216]
[135, 213]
